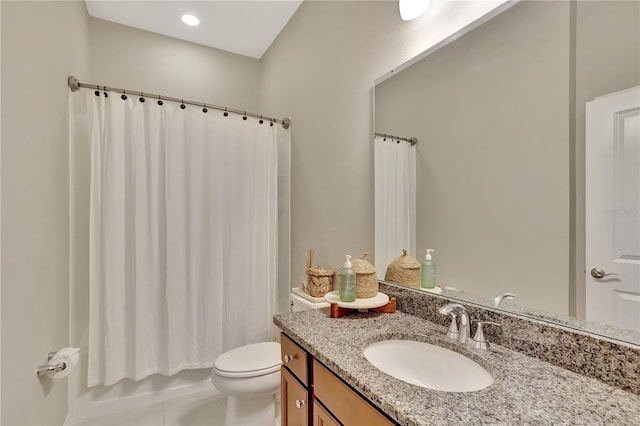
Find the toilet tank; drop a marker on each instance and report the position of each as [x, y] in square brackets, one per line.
[299, 303]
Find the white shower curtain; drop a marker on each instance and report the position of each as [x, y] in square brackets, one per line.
[395, 201]
[183, 235]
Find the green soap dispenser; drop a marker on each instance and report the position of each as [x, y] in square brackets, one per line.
[428, 268]
[347, 278]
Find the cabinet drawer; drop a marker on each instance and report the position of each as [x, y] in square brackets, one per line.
[346, 405]
[294, 406]
[294, 358]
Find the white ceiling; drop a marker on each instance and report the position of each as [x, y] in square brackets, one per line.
[245, 27]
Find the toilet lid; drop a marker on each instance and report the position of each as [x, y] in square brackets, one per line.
[250, 360]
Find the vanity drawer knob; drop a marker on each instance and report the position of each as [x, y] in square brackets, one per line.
[300, 403]
[289, 358]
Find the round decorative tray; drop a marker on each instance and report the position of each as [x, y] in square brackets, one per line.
[378, 300]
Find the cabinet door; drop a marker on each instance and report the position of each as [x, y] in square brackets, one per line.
[295, 401]
[345, 404]
[322, 417]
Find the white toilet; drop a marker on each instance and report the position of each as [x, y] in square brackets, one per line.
[301, 301]
[250, 377]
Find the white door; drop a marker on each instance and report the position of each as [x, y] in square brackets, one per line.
[613, 209]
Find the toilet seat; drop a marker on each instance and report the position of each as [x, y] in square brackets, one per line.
[252, 360]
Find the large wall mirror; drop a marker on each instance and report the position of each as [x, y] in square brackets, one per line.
[499, 114]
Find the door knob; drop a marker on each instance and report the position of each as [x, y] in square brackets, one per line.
[599, 273]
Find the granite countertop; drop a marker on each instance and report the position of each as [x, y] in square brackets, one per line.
[525, 391]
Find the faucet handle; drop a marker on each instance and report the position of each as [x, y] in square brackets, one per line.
[479, 341]
[453, 332]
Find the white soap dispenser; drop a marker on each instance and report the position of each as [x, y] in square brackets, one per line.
[428, 271]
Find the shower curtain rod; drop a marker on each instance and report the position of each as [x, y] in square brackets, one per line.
[75, 85]
[412, 140]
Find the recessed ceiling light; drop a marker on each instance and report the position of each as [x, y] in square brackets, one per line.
[411, 9]
[190, 20]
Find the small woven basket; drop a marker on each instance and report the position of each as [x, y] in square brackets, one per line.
[319, 281]
[366, 279]
[404, 270]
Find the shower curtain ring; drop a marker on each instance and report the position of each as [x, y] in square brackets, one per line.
[204, 109]
[226, 114]
[244, 117]
[182, 105]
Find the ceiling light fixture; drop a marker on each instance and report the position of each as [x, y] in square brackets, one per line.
[190, 20]
[411, 9]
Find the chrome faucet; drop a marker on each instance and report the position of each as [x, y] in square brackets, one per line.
[464, 330]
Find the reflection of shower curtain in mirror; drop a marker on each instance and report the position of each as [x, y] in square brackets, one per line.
[395, 201]
[183, 235]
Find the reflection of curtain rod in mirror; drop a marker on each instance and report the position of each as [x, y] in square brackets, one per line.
[411, 140]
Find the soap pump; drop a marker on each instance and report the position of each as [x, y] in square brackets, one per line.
[347, 282]
[428, 271]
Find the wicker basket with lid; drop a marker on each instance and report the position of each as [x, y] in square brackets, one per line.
[366, 279]
[404, 270]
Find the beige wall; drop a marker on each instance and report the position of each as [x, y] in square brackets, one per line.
[126, 57]
[490, 112]
[42, 43]
[321, 71]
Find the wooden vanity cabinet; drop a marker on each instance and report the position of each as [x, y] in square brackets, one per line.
[333, 403]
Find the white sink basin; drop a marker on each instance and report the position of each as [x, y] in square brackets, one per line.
[428, 366]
